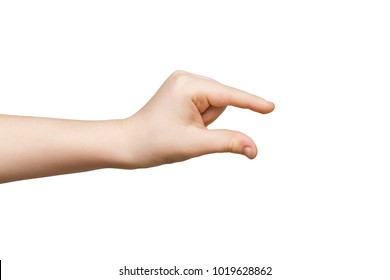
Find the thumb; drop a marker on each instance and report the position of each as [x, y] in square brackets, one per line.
[223, 140]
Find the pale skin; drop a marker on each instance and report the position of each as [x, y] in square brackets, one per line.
[171, 127]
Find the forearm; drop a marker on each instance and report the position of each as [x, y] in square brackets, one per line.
[36, 147]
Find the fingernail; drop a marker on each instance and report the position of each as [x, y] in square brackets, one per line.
[247, 151]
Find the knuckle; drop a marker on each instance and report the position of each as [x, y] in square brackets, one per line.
[180, 76]
[179, 73]
[180, 79]
[230, 144]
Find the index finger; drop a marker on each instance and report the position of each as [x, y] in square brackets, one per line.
[220, 95]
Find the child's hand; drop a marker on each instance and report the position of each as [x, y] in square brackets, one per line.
[172, 126]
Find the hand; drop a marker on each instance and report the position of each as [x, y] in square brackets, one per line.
[172, 126]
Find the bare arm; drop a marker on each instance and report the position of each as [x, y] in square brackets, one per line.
[171, 127]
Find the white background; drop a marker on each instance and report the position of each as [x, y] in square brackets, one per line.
[314, 204]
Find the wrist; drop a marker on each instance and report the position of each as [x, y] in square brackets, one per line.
[120, 144]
